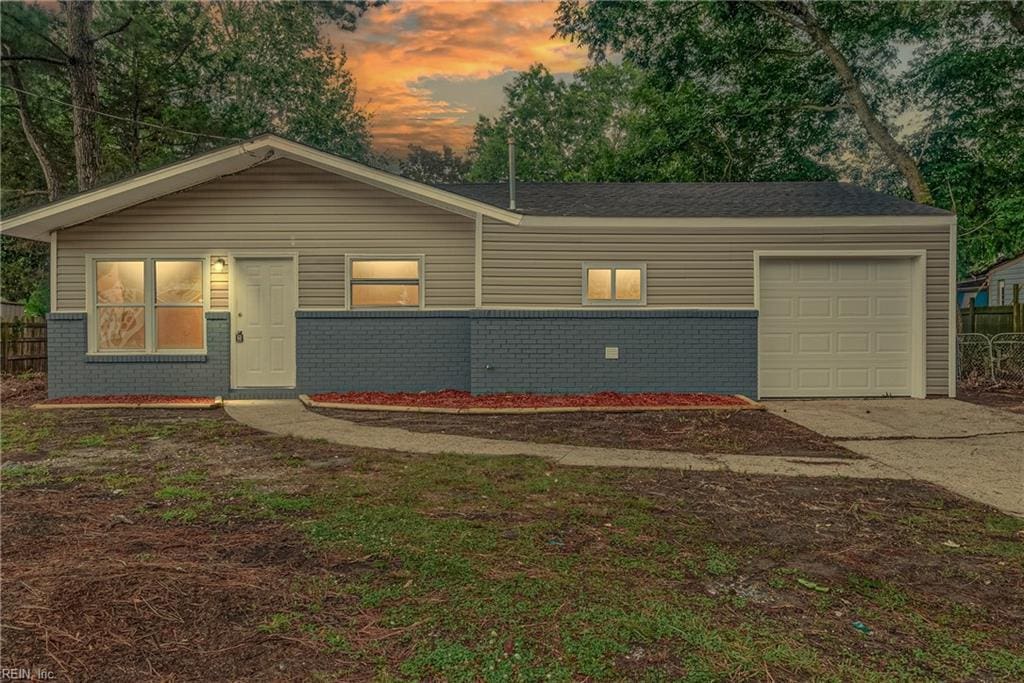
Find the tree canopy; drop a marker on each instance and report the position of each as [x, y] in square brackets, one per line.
[919, 99]
[95, 92]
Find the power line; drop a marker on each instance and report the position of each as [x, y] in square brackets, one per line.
[124, 118]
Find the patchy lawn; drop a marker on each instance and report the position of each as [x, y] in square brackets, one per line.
[750, 432]
[1007, 398]
[185, 546]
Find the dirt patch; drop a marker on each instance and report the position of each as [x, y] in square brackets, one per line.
[22, 390]
[116, 400]
[169, 563]
[1011, 399]
[452, 399]
[143, 601]
[749, 432]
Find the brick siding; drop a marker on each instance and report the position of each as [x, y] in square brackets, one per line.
[74, 373]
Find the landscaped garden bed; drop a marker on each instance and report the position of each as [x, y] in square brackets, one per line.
[452, 401]
[129, 401]
[744, 432]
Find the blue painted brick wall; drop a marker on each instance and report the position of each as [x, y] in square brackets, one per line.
[382, 350]
[486, 351]
[564, 351]
[71, 372]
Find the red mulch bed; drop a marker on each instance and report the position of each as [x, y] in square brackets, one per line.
[128, 398]
[450, 398]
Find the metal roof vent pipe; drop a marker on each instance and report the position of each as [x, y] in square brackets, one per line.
[511, 173]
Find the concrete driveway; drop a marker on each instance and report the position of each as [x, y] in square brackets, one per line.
[975, 451]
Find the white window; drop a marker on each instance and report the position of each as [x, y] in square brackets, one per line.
[147, 305]
[619, 284]
[1002, 294]
[385, 281]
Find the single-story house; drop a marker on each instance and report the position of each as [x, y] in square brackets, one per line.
[994, 285]
[270, 268]
[972, 289]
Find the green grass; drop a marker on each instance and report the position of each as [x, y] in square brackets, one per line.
[120, 481]
[21, 476]
[180, 493]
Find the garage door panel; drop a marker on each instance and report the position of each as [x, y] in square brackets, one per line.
[777, 271]
[855, 271]
[836, 326]
[853, 306]
[894, 306]
[814, 342]
[777, 343]
[853, 342]
[814, 307]
[892, 342]
[853, 378]
[813, 271]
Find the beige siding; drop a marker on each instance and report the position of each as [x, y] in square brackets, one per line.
[281, 206]
[696, 266]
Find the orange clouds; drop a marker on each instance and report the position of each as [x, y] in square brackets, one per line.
[425, 70]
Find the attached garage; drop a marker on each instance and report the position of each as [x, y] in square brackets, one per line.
[841, 324]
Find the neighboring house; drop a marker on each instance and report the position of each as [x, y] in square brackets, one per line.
[974, 289]
[271, 268]
[993, 286]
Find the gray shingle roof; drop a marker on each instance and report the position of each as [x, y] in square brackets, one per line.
[697, 200]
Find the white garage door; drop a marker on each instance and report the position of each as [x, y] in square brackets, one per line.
[836, 326]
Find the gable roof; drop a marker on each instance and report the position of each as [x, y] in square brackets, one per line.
[695, 200]
[36, 223]
[553, 200]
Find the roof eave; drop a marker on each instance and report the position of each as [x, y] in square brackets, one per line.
[36, 224]
[534, 220]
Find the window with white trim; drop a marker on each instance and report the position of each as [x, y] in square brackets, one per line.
[148, 305]
[619, 284]
[385, 282]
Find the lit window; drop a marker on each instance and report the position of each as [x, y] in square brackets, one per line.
[179, 305]
[145, 305]
[614, 283]
[378, 282]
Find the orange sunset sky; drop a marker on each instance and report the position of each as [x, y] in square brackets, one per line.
[425, 71]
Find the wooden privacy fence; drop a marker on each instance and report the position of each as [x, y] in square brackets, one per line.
[22, 346]
[993, 319]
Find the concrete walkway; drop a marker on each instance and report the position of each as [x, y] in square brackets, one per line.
[973, 450]
[290, 417]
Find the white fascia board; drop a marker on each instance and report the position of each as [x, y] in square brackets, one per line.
[938, 221]
[393, 183]
[38, 223]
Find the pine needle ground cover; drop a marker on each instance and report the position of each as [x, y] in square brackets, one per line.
[181, 545]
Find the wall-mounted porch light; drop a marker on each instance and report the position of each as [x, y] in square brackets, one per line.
[219, 265]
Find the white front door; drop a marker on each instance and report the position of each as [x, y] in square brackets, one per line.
[833, 326]
[264, 322]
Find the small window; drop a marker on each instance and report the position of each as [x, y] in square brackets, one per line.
[120, 305]
[179, 305]
[1002, 293]
[146, 305]
[615, 284]
[379, 282]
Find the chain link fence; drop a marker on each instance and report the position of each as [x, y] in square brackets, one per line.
[983, 360]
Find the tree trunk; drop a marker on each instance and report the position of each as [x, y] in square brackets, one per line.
[50, 176]
[84, 91]
[798, 14]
